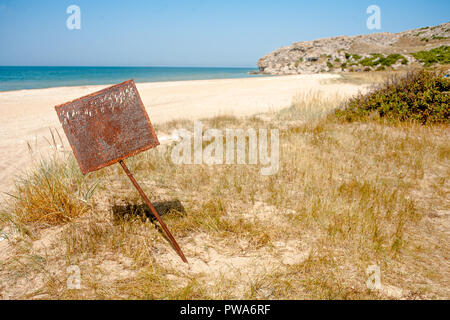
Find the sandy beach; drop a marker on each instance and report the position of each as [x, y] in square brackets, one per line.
[28, 115]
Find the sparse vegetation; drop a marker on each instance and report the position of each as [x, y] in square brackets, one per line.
[347, 195]
[377, 59]
[392, 59]
[435, 37]
[361, 52]
[372, 77]
[439, 55]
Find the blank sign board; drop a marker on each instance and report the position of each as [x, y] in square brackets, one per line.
[107, 126]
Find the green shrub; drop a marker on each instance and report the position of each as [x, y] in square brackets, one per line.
[377, 55]
[420, 95]
[391, 59]
[378, 59]
[439, 55]
[297, 63]
[330, 65]
[370, 61]
[356, 57]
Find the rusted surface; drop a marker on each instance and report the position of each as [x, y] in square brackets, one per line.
[107, 126]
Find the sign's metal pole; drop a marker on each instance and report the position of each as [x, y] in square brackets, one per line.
[155, 213]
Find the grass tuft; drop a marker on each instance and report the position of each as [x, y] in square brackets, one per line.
[52, 193]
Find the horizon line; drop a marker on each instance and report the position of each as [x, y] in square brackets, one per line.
[106, 66]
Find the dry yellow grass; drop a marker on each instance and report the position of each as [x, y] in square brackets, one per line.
[52, 193]
[346, 196]
[372, 77]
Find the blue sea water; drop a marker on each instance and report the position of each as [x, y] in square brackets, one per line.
[17, 78]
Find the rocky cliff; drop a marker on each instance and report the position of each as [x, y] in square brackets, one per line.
[359, 53]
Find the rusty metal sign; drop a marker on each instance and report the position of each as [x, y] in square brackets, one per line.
[107, 126]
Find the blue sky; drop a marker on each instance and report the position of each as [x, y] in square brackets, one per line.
[188, 33]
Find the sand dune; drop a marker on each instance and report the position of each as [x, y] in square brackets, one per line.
[28, 115]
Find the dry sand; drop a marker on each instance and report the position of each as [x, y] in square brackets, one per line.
[28, 115]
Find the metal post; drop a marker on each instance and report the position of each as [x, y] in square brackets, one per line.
[153, 210]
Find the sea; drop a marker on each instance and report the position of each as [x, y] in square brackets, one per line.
[18, 78]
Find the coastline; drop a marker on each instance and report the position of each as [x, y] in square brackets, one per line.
[27, 116]
[43, 77]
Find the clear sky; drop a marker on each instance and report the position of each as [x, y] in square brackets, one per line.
[189, 33]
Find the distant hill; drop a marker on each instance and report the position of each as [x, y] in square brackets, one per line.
[378, 51]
